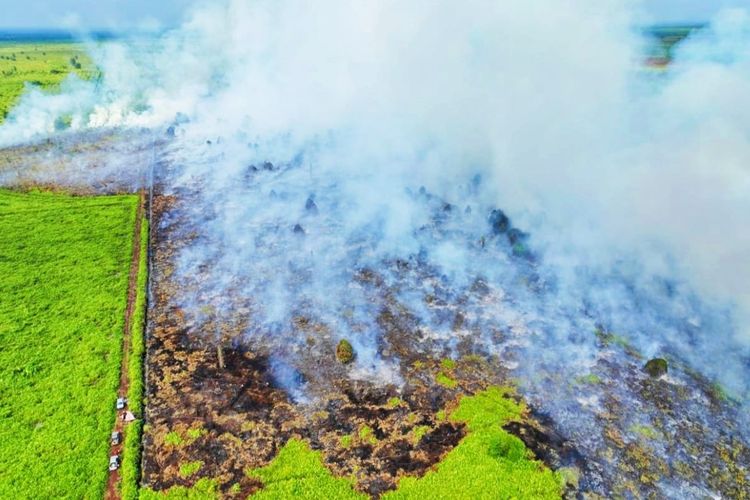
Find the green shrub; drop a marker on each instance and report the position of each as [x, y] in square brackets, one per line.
[173, 439]
[344, 352]
[195, 433]
[190, 468]
[448, 364]
[418, 432]
[346, 441]
[446, 381]
[394, 402]
[367, 435]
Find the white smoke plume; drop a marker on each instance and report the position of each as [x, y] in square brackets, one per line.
[634, 187]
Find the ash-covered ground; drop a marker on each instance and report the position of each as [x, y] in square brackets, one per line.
[295, 278]
[85, 162]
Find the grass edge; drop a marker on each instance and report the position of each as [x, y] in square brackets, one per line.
[133, 432]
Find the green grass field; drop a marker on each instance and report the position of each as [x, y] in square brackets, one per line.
[44, 65]
[64, 267]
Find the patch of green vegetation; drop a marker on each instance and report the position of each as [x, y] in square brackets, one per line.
[446, 381]
[473, 359]
[394, 402]
[645, 431]
[418, 365]
[190, 468]
[344, 352]
[298, 472]
[195, 433]
[489, 462]
[367, 435]
[204, 489]
[441, 416]
[43, 65]
[235, 488]
[131, 455]
[609, 338]
[64, 269]
[173, 439]
[346, 441]
[63, 122]
[184, 438]
[591, 379]
[720, 393]
[418, 432]
[447, 364]
[656, 367]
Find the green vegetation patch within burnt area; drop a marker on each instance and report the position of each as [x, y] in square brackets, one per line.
[64, 266]
[488, 463]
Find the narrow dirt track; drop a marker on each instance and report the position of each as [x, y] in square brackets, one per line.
[112, 492]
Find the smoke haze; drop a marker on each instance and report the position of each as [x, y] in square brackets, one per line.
[318, 139]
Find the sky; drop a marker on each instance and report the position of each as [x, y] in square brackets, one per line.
[154, 14]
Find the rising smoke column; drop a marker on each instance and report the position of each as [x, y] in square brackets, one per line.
[633, 188]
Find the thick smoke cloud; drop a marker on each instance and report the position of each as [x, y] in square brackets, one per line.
[634, 187]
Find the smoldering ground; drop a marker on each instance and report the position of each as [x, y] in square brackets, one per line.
[316, 144]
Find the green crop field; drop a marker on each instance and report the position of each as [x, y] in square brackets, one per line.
[64, 269]
[44, 65]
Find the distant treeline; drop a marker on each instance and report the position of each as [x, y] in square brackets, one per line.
[51, 36]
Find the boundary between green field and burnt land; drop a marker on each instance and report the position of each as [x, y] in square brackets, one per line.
[131, 468]
[124, 483]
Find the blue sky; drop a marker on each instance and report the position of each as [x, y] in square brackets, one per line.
[114, 14]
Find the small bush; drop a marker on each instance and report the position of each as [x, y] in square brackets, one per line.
[344, 352]
[346, 441]
[448, 364]
[394, 402]
[173, 439]
[190, 468]
[367, 435]
[445, 381]
[418, 432]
